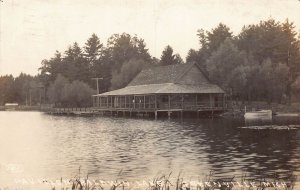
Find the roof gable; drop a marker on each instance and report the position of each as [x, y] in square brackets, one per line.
[180, 74]
[193, 76]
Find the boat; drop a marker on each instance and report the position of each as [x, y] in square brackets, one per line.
[261, 114]
[287, 114]
[11, 106]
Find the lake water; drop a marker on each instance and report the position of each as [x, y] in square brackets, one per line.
[34, 145]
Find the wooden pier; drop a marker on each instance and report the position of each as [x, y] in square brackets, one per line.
[148, 113]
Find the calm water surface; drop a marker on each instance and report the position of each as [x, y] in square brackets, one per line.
[36, 145]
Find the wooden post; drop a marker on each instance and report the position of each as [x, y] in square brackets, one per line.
[155, 113]
[107, 101]
[169, 115]
[169, 101]
[223, 101]
[181, 101]
[125, 101]
[144, 101]
[100, 98]
[197, 101]
[133, 102]
[119, 101]
[210, 100]
[155, 102]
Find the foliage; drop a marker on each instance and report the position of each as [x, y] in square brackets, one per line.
[274, 77]
[55, 91]
[168, 58]
[75, 94]
[93, 49]
[95, 60]
[244, 77]
[128, 71]
[259, 63]
[209, 41]
[24, 89]
[227, 66]
[6, 89]
[213, 39]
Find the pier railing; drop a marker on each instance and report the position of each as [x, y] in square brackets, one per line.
[89, 109]
[217, 105]
[149, 106]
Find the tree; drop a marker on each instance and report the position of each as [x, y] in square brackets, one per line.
[75, 65]
[128, 71]
[63, 93]
[93, 49]
[168, 58]
[51, 68]
[275, 79]
[26, 88]
[178, 59]
[217, 36]
[55, 91]
[274, 40]
[202, 39]
[123, 47]
[77, 94]
[227, 67]
[209, 41]
[192, 56]
[7, 93]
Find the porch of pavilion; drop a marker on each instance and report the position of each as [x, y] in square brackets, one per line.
[154, 103]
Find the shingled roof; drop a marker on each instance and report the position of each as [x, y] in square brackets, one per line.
[171, 79]
[159, 75]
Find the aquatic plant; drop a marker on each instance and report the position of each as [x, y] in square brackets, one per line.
[209, 182]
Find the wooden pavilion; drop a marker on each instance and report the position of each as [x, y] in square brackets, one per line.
[164, 89]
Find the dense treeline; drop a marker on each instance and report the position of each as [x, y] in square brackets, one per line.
[260, 63]
[24, 89]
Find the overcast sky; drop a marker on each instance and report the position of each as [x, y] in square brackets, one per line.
[31, 30]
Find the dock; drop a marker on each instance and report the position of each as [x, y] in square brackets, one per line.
[131, 112]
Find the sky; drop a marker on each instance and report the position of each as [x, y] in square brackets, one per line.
[32, 30]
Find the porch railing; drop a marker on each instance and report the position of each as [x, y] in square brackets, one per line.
[164, 105]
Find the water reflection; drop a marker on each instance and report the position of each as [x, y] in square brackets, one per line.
[53, 147]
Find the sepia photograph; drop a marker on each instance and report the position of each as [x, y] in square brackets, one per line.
[149, 95]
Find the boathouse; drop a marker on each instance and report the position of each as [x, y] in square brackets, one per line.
[169, 89]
